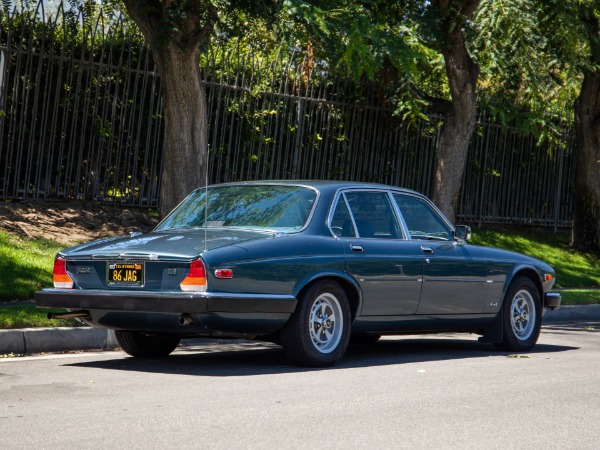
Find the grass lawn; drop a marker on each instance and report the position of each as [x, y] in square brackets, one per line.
[574, 269]
[26, 266]
[28, 316]
[580, 296]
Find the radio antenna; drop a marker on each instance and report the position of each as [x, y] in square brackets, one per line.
[206, 198]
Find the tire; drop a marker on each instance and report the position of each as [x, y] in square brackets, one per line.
[318, 331]
[522, 316]
[146, 346]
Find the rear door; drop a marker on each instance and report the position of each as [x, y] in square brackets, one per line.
[387, 266]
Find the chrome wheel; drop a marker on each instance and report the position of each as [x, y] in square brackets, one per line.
[317, 333]
[326, 323]
[523, 317]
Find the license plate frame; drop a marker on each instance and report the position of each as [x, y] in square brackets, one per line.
[125, 274]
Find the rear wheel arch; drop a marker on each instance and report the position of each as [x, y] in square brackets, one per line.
[318, 331]
[351, 289]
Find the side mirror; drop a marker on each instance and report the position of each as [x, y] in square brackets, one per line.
[463, 232]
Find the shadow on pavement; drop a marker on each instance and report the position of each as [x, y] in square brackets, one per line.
[246, 358]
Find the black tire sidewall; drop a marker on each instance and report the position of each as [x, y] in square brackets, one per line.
[295, 336]
[511, 342]
[146, 346]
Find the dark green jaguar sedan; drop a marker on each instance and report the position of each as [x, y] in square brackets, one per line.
[311, 265]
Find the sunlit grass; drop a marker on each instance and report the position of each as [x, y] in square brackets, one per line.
[574, 269]
[580, 296]
[25, 265]
[28, 316]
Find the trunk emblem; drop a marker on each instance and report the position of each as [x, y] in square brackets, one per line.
[171, 272]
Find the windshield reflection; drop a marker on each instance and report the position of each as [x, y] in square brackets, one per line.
[272, 207]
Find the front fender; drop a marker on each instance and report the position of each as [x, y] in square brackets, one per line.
[520, 269]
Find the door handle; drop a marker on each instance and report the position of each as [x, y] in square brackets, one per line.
[428, 250]
[357, 248]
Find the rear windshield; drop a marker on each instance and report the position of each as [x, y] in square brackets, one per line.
[273, 207]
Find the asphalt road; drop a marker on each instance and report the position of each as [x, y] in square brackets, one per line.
[444, 391]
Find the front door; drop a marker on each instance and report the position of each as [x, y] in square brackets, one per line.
[454, 282]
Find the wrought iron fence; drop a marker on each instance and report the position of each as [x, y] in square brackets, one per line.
[80, 118]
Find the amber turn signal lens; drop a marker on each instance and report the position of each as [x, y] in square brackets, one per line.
[60, 277]
[548, 277]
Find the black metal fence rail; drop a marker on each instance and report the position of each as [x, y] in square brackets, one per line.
[81, 118]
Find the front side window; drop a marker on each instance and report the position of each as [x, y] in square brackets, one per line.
[273, 207]
[421, 220]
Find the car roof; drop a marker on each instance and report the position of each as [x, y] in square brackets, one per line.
[321, 185]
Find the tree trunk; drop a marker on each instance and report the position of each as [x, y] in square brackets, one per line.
[174, 30]
[185, 158]
[458, 124]
[586, 214]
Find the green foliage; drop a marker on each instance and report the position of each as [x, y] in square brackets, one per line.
[28, 316]
[25, 266]
[580, 297]
[574, 269]
[525, 80]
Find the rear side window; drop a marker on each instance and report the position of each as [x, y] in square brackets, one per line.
[421, 220]
[373, 215]
[341, 222]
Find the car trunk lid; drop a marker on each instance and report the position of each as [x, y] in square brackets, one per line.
[155, 261]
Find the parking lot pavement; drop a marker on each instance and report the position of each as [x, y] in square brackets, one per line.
[40, 340]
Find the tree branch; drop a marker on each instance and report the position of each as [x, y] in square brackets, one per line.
[437, 105]
[147, 14]
[469, 8]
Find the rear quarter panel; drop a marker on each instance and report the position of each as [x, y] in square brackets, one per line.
[279, 265]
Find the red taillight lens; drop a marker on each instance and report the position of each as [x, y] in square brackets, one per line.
[224, 273]
[61, 278]
[196, 279]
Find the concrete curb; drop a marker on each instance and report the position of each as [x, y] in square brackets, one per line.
[575, 313]
[39, 340]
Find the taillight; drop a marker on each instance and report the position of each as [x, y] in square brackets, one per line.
[60, 277]
[196, 279]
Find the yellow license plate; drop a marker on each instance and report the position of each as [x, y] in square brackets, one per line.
[125, 274]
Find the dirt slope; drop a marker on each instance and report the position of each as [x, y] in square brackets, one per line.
[71, 223]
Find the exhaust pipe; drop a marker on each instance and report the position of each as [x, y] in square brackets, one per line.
[70, 315]
[186, 319]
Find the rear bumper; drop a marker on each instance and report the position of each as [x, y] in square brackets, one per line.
[552, 300]
[164, 302]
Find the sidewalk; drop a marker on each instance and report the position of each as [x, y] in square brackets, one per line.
[39, 340]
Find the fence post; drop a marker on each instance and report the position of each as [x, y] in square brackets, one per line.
[299, 137]
[560, 157]
[2, 76]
